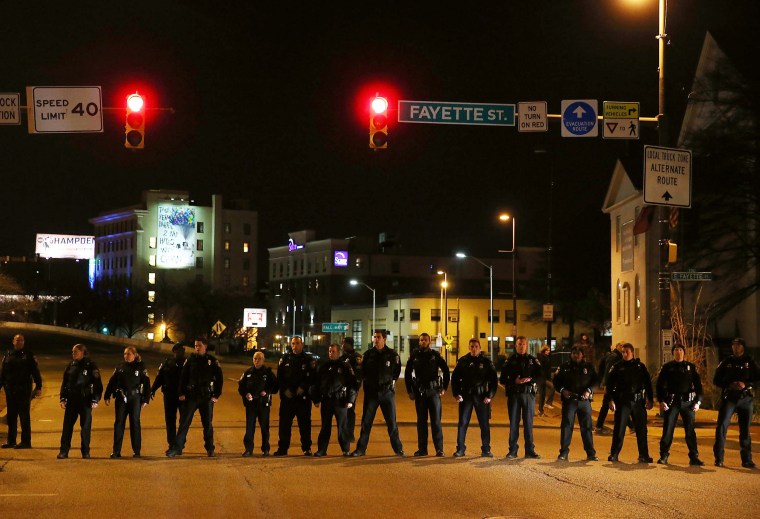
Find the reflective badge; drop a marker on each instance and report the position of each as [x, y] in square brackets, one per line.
[340, 371]
[585, 371]
[84, 372]
[387, 363]
[303, 367]
[209, 362]
[688, 368]
[137, 373]
[248, 375]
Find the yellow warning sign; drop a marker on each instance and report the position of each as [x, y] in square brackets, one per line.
[620, 110]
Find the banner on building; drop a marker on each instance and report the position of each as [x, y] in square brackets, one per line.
[65, 246]
[176, 237]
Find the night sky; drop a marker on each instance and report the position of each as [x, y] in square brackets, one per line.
[271, 105]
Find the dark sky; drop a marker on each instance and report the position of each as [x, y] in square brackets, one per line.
[270, 105]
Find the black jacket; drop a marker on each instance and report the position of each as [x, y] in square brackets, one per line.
[521, 366]
[629, 381]
[677, 379]
[201, 377]
[576, 377]
[81, 382]
[254, 381]
[129, 378]
[18, 370]
[380, 369]
[296, 371]
[474, 376]
[335, 383]
[168, 377]
[736, 369]
[422, 376]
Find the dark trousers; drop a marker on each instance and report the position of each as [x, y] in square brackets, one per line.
[743, 408]
[351, 423]
[483, 413]
[327, 410]
[570, 409]
[626, 411]
[257, 410]
[299, 408]
[521, 406]
[605, 409]
[171, 410]
[206, 409]
[123, 409]
[19, 403]
[386, 401]
[81, 410]
[429, 406]
[545, 387]
[670, 417]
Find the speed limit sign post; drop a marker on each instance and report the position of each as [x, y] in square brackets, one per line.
[77, 109]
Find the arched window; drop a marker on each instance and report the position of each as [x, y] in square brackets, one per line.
[637, 299]
[618, 305]
[626, 304]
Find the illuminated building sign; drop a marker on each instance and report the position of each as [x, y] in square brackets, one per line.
[176, 237]
[65, 246]
[293, 245]
[341, 258]
[255, 317]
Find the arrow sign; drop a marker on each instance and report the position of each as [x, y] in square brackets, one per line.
[579, 112]
[579, 118]
[667, 196]
[632, 111]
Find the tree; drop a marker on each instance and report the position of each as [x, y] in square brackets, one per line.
[13, 301]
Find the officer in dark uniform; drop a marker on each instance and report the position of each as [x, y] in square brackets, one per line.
[520, 377]
[473, 384]
[605, 365]
[200, 386]
[334, 390]
[18, 370]
[295, 375]
[427, 379]
[130, 387]
[736, 376]
[679, 391]
[81, 390]
[630, 388]
[168, 380]
[576, 380]
[256, 386]
[380, 368]
[354, 359]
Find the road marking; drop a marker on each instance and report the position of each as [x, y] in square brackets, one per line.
[28, 495]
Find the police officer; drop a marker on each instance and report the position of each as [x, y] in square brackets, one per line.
[295, 375]
[427, 379]
[200, 386]
[380, 368]
[736, 376]
[614, 356]
[354, 359]
[334, 390]
[130, 387]
[81, 390]
[679, 391]
[473, 384]
[576, 380]
[18, 370]
[256, 386]
[168, 380]
[630, 389]
[520, 377]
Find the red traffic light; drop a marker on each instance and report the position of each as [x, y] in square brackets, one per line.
[378, 123]
[135, 102]
[379, 105]
[134, 130]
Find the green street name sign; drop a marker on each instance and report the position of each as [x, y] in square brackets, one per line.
[691, 276]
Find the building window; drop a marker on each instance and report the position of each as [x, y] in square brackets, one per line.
[227, 228]
[227, 245]
[414, 314]
[247, 229]
[152, 278]
[226, 263]
[152, 242]
[198, 262]
[245, 246]
[151, 318]
[151, 296]
[453, 315]
[152, 260]
[626, 304]
[356, 333]
[199, 245]
[618, 288]
[435, 314]
[246, 281]
[199, 227]
[637, 299]
[358, 263]
[494, 317]
[398, 316]
[509, 316]
[246, 264]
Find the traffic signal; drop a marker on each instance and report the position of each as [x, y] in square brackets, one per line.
[134, 130]
[378, 123]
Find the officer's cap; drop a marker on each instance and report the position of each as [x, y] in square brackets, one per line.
[739, 340]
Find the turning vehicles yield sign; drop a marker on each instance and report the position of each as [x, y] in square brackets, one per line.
[621, 120]
[579, 118]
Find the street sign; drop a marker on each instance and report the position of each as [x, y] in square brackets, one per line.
[667, 176]
[218, 328]
[335, 327]
[442, 112]
[532, 116]
[691, 276]
[549, 312]
[64, 109]
[579, 118]
[255, 318]
[10, 112]
[666, 342]
[621, 120]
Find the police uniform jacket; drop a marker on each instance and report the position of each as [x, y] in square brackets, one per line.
[521, 366]
[736, 369]
[201, 377]
[81, 382]
[18, 370]
[296, 371]
[576, 377]
[474, 376]
[335, 383]
[254, 381]
[679, 380]
[422, 373]
[380, 369]
[629, 381]
[168, 377]
[606, 364]
[129, 379]
[354, 359]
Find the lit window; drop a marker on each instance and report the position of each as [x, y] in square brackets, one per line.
[245, 246]
[245, 281]
[152, 242]
[199, 227]
[227, 245]
[152, 260]
[226, 263]
[199, 245]
[227, 228]
[151, 318]
[150, 336]
[152, 278]
[152, 296]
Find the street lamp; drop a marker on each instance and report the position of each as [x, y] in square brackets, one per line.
[444, 301]
[490, 279]
[355, 282]
[293, 299]
[504, 217]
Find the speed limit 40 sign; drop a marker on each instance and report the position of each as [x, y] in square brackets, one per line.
[64, 109]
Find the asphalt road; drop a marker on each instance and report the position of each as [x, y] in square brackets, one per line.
[34, 483]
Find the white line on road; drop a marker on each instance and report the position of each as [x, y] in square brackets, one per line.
[28, 495]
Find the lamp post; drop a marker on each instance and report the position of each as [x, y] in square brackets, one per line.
[444, 301]
[293, 299]
[504, 217]
[355, 282]
[490, 317]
